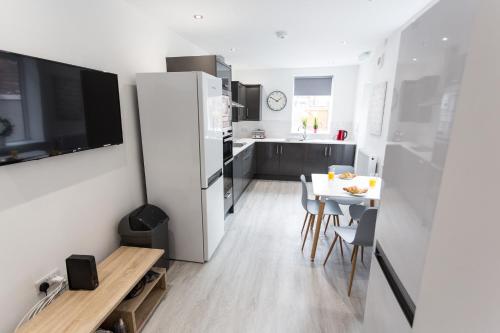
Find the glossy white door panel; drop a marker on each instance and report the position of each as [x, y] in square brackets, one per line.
[431, 63]
[383, 313]
[211, 111]
[213, 217]
[432, 59]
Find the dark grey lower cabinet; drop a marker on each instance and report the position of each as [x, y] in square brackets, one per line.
[287, 161]
[248, 165]
[291, 159]
[279, 160]
[316, 160]
[237, 177]
[342, 154]
[244, 167]
[268, 158]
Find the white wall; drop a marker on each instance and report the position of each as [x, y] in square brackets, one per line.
[279, 124]
[460, 286]
[370, 74]
[52, 208]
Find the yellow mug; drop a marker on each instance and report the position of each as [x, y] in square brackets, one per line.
[372, 182]
[331, 175]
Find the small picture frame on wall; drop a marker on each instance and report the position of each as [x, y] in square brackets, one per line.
[376, 108]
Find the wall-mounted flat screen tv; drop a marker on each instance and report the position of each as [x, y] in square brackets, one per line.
[49, 108]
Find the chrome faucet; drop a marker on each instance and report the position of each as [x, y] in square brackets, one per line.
[303, 135]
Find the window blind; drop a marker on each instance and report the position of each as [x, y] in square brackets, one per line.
[313, 86]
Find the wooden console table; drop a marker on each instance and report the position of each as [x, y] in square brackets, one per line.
[84, 311]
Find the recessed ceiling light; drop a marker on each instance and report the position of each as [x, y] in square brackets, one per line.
[232, 49]
[444, 39]
[414, 59]
[198, 17]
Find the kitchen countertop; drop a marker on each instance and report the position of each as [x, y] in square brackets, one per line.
[248, 142]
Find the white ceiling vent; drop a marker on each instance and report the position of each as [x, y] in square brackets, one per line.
[281, 34]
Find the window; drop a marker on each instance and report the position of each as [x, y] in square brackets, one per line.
[312, 100]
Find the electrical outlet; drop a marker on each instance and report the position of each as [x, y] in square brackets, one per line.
[53, 273]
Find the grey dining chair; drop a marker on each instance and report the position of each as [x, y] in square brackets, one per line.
[311, 207]
[356, 211]
[339, 169]
[361, 235]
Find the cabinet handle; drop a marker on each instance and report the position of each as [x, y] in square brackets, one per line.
[325, 150]
[277, 149]
[330, 152]
[247, 112]
[281, 150]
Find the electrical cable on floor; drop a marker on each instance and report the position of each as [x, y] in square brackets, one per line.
[46, 300]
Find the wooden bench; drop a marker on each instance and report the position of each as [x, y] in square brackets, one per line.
[84, 311]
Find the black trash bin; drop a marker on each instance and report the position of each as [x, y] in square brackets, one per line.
[147, 226]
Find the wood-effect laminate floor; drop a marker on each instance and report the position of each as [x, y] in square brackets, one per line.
[260, 281]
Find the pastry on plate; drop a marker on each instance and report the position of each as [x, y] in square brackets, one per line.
[355, 190]
[347, 175]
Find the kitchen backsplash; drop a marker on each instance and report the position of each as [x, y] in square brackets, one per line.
[282, 129]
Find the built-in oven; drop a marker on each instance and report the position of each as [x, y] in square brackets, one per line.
[228, 187]
[227, 145]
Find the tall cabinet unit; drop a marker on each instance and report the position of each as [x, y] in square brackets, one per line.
[429, 85]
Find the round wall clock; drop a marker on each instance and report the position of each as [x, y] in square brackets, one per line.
[276, 100]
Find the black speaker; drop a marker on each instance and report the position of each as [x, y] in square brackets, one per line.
[82, 272]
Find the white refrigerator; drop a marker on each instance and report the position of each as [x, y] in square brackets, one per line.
[181, 132]
[433, 55]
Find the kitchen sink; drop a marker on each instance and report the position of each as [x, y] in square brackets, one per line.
[238, 145]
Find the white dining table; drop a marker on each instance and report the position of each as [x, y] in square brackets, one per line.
[323, 189]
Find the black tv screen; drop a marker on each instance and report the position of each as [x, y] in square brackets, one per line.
[49, 108]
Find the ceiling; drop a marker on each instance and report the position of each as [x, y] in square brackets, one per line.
[320, 32]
